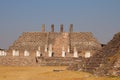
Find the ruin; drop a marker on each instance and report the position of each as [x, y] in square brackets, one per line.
[104, 62]
[78, 50]
[37, 47]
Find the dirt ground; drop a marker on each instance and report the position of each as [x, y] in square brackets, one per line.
[46, 73]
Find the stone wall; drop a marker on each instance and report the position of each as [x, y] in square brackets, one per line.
[84, 41]
[110, 58]
[54, 40]
[59, 44]
[59, 40]
[39, 61]
[104, 62]
[31, 41]
[57, 61]
[17, 61]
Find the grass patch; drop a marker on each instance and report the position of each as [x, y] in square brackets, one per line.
[46, 73]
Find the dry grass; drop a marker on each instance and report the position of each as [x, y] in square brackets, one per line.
[46, 73]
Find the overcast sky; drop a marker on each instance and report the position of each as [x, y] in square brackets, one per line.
[102, 17]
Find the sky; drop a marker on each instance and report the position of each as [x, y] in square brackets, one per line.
[101, 17]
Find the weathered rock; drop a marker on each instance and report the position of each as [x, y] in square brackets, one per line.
[30, 41]
[104, 62]
[30, 44]
[17, 61]
[107, 61]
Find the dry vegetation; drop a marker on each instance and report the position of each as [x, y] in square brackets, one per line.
[46, 73]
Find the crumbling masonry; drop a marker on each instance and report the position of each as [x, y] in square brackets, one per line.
[51, 48]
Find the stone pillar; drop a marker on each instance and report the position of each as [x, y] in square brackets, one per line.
[46, 48]
[63, 52]
[61, 28]
[5, 53]
[43, 27]
[26, 53]
[2, 53]
[50, 47]
[15, 52]
[68, 49]
[52, 28]
[71, 28]
[75, 52]
[50, 52]
[38, 53]
[87, 54]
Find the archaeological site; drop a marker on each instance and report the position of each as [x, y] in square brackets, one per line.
[104, 62]
[79, 51]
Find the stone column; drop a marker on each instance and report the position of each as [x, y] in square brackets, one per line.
[52, 28]
[46, 48]
[68, 49]
[3, 53]
[63, 52]
[61, 28]
[75, 52]
[87, 54]
[26, 53]
[43, 27]
[13, 52]
[71, 28]
[50, 52]
[17, 52]
[38, 53]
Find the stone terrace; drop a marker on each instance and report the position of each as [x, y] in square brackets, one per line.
[59, 41]
[51, 48]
